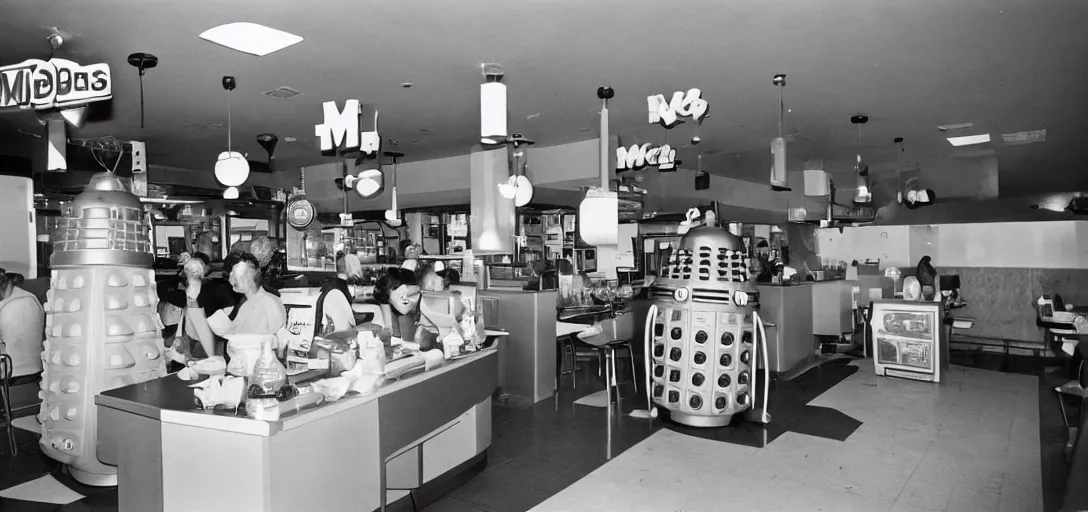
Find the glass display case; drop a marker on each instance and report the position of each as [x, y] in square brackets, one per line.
[908, 340]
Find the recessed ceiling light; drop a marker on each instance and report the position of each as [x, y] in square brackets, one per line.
[969, 140]
[290, 139]
[951, 127]
[406, 85]
[282, 93]
[250, 38]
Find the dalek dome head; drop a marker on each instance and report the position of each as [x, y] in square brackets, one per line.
[106, 225]
[711, 237]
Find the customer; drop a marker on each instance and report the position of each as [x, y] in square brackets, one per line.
[22, 326]
[398, 294]
[334, 305]
[215, 294]
[259, 312]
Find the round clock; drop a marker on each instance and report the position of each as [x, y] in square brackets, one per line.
[300, 214]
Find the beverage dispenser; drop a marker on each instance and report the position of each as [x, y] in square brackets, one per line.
[102, 327]
[703, 331]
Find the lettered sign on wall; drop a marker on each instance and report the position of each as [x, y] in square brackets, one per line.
[59, 83]
[343, 129]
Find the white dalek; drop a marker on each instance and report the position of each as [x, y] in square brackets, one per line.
[702, 332]
[102, 327]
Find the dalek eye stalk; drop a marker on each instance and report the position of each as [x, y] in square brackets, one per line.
[705, 333]
[102, 326]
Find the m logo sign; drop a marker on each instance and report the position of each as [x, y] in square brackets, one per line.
[636, 157]
[343, 129]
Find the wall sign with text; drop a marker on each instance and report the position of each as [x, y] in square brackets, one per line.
[670, 113]
[56, 83]
[348, 130]
[636, 157]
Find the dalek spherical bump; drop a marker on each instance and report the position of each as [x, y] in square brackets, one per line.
[702, 342]
[102, 324]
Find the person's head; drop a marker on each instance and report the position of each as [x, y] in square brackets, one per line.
[245, 274]
[205, 243]
[262, 248]
[398, 289]
[16, 279]
[6, 284]
[430, 280]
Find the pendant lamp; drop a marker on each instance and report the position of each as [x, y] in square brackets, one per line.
[601, 204]
[779, 178]
[232, 168]
[392, 215]
[518, 187]
[492, 106]
[230, 193]
[862, 194]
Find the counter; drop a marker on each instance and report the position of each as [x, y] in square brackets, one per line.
[790, 340]
[346, 455]
[527, 365]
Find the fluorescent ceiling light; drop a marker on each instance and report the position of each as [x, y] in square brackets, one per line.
[969, 140]
[951, 127]
[250, 38]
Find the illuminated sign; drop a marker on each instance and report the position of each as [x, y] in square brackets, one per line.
[341, 129]
[636, 157]
[59, 83]
[683, 104]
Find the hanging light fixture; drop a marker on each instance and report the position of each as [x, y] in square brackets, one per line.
[862, 194]
[392, 215]
[232, 168]
[230, 193]
[492, 106]
[600, 203]
[779, 179]
[518, 187]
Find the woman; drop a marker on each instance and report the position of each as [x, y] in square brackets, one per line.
[398, 294]
[334, 311]
[259, 312]
[21, 326]
[215, 294]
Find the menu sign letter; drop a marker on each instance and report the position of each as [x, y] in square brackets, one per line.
[683, 104]
[341, 129]
[57, 83]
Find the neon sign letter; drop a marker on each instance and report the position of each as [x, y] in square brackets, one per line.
[669, 114]
[59, 83]
[341, 129]
[636, 157]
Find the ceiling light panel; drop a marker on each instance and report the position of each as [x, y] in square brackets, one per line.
[250, 38]
[969, 140]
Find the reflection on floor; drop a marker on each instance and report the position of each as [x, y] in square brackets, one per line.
[970, 444]
[836, 431]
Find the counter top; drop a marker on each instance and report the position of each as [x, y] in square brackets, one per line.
[170, 400]
[800, 283]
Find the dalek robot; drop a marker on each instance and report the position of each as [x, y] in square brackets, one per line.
[102, 327]
[704, 333]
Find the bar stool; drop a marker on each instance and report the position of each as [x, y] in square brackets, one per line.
[6, 367]
[607, 337]
[565, 350]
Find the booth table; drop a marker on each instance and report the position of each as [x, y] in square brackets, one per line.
[345, 455]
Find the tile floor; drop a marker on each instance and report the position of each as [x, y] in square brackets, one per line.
[971, 444]
[840, 439]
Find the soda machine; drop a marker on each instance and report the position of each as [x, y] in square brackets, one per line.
[704, 332]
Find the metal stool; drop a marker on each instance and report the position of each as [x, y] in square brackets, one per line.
[6, 367]
[565, 351]
[603, 337]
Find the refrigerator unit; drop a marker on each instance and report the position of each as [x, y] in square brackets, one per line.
[908, 340]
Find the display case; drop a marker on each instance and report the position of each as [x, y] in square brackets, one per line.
[908, 340]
